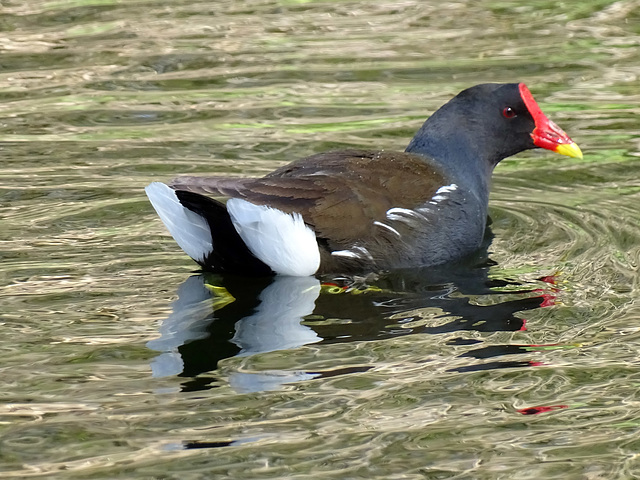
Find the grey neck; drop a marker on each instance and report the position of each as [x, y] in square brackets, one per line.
[459, 159]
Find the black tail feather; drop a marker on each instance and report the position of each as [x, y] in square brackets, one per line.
[229, 254]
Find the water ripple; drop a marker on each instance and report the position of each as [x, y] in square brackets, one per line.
[522, 365]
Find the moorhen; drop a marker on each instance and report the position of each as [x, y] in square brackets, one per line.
[363, 211]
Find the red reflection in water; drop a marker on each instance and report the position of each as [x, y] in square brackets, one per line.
[540, 409]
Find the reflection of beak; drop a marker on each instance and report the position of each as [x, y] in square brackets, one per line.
[550, 136]
[547, 134]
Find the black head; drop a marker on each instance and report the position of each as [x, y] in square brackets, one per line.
[498, 121]
[487, 123]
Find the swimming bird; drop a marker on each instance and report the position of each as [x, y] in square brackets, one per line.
[361, 211]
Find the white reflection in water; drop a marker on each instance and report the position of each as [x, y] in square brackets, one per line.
[274, 325]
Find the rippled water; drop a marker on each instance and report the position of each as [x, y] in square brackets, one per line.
[119, 362]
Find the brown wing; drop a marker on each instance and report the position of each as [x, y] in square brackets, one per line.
[340, 194]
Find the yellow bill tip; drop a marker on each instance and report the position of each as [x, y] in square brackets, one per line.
[569, 149]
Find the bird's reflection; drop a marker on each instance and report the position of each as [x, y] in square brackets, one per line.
[217, 317]
[275, 323]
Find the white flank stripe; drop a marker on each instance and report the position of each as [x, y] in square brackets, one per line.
[345, 253]
[364, 252]
[404, 215]
[440, 193]
[391, 229]
[355, 252]
[190, 230]
[447, 188]
[279, 239]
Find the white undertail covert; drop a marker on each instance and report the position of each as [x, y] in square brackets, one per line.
[279, 239]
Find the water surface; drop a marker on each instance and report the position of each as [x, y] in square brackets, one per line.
[120, 362]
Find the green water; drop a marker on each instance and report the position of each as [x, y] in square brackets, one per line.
[107, 374]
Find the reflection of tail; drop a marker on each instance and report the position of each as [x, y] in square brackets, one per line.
[266, 316]
[238, 237]
[202, 227]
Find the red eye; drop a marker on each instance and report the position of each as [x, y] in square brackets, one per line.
[508, 112]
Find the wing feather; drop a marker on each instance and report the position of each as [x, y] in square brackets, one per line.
[340, 194]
